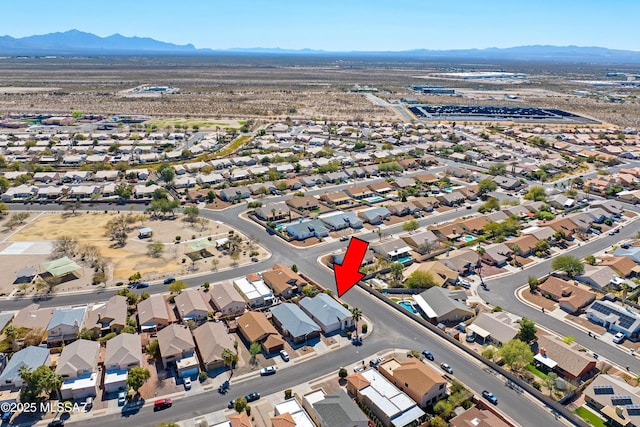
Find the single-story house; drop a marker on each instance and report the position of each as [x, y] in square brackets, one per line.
[294, 323]
[254, 327]
[614, 317]
[32, 357]
[498, 328]
[153, 313]
[328, 313]
[304, 229]
[212, 339]
[374, 215]
[341, 220]
[442, 305]
[569, 296]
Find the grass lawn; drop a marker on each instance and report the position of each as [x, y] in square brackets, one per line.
[589, 417]
[396, 299]
[536, 372]
[233, 146]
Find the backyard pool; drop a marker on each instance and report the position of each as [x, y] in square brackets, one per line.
[468, 238]
[279, 227]
[408, 306]
[374, 199]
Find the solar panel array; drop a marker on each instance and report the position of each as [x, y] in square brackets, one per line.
[633, 409]
[621, 400]
[624, 320]
[603, 389]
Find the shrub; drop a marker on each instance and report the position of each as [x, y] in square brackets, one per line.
[365, 328]
[206, 285]
[202, 376]
[119, 283]
[178, 238]
[288, 393]
[342, 373]
[496, 309]
[536, 385]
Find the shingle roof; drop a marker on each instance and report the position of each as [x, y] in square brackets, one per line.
[255, 325]
[337, 410]
[67, 316]
[294, 320]
[212, 338]
[174, 340]
[78, 356]
[325, 309]
[152, 308]
[31, 357]
[123, 350]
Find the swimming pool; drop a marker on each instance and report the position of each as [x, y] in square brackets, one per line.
[374, 199]
[279, 227]
[404, 259]
[408, 306]
[468, 238]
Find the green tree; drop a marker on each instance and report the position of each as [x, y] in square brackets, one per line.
[177, 287]
[437, 422]
[492, 204]
[489, 353]
[550, 382]
[443, 408]
[342, 373]
[4, 183]
[571, 265]
[534, 283]
[309, 291]
[191, 213]
[137, 377]
[396, 272]
[498, 169]
[410, 226]
[426, 247]
[40, 380]
[485, 186]
[77, 114]
[528, 330]
[536, 193]
[294, 268]
[590, 259]
[516, 354]
[240, 404]
[254, 349]
[155, 249]
[420, 279]
[11, 333]
[153, 349]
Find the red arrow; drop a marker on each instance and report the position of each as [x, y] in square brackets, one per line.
[347, 273]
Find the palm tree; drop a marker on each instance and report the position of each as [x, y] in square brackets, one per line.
[254, 349]
[625, 289]
[481, 251]
[230, 359]
[356, 315]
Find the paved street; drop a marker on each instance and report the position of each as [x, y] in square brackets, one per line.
[392, 330]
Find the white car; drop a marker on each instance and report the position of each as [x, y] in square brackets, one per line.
[619, 338]
[284, 355]
[187, 383]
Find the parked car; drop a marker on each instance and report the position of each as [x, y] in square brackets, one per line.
[464, 283]
[251, 397]
[427, 354]
[162, 404]
[269, 370]
[187, 383]
[344, 238]
[142, 285]
[380, 359]
[358, 368]
[612, 233]
[122, 398]
[490, 397]
[88, 403]
[471, 337]
[56, 423]
[284, 355]
[619, 338]
[169, 280]
[446, 367]
[6, 416]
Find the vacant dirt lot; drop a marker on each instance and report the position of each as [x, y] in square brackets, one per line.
[90, 228]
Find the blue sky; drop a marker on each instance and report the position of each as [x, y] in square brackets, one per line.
[340, 25]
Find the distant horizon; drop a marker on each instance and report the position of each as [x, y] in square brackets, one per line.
[339, 26]
[321, 50]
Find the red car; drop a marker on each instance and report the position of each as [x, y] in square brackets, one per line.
[162, 404]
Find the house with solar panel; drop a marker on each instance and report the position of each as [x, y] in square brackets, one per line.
[616, 400]
[614, 317]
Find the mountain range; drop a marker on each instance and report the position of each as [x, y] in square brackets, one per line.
[76, 42]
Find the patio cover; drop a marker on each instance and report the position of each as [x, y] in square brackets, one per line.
[199, 244]
[478, 331]
[60, 267]
[546, 361]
